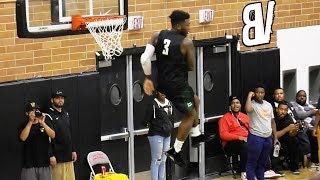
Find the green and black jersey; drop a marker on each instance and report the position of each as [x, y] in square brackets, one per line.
[171, 64]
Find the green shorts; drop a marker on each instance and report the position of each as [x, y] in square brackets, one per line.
[182, 99]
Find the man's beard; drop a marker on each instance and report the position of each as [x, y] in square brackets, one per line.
[57, 105]
[302, 103]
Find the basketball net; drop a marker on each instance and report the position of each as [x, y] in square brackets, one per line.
[107, 34]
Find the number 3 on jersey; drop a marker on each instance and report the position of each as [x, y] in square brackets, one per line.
[166, 43]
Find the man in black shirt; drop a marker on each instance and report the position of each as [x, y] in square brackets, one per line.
[64, 153]
[35, 133]
[175, 57]
[287, 134]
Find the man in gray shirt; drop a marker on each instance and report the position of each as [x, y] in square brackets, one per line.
[305, 113]
[262, 126]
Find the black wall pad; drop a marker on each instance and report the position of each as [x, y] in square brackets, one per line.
[214, 154]
[117, 151]
[213, 148]
[89, 133]
[249, 74]
[140, 99]
[215, 41]
[174, 171]
[235, 70]
[261, 66]
[142, 153]
[12, 109]
[271, 71]
[113, 97]
[215, 65]
[38, 90]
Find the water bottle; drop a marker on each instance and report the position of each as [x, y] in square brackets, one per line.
[276, 150]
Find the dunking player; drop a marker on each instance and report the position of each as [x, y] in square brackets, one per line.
[175, 56]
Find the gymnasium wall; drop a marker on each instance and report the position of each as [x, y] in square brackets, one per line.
[303, 64]
[82, 100]
[29, 58]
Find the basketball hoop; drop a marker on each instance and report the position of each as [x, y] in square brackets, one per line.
[106, 30]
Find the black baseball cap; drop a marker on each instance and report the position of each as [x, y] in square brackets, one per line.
[231, 98]
[57, 94]
[31, 106]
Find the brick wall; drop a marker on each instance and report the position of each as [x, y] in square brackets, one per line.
[29, 58]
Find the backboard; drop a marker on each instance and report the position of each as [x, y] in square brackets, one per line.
[49, 18]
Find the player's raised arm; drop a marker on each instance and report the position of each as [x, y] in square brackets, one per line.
[145, 60]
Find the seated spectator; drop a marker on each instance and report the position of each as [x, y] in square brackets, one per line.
[304, 113]
[233, 129]
[302, 110]
[287, 134]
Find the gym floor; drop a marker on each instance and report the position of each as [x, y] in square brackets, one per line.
[304, 175]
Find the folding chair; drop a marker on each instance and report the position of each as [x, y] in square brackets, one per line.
[96, 158]
[231, 160]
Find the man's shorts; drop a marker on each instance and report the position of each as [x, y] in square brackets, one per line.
[182, 99]
[63, 171]
[43, 173]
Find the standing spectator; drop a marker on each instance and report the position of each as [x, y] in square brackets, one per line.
[159, 118]
[302, 110]
[287, 133]
[262, 126]
[34, 132]
[279, 96]
[63, 149]
[233, 130]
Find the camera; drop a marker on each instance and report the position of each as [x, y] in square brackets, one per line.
[38, 114]
[301, 124]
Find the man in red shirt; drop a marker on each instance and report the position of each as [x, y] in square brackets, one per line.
[233, 129]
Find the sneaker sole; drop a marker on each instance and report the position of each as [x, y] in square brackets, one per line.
[176, 162]
[273, 177]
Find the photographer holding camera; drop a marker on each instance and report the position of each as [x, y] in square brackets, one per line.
[35, 133]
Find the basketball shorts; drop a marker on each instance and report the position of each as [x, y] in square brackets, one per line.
[182, 99]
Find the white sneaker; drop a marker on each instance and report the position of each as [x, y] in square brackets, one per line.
[271, 174]
[243, 176]
[314, 165]
[318, 168]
